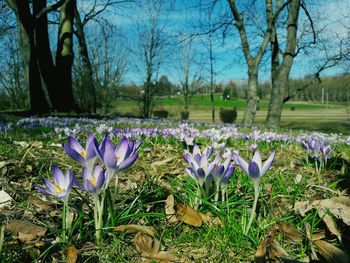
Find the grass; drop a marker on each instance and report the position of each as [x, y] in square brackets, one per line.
[306, 115]
[141, 200]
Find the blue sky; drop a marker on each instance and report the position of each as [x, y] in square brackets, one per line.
[185, 17]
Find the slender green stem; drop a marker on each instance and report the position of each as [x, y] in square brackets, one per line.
[64, 221]
[198, 197]
[217, 192]
[223, 194]
[252, 214]
[97, 219]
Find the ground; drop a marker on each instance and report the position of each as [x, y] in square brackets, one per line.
[302, 214]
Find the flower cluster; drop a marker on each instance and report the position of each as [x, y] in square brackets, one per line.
[319, 150]
[205, 172]
[220, 170]
[95, 180]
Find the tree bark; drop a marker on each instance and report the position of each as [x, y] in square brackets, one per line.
[252, 97]
[44, 56]
[64, 58]
[86, 63]
[26, 22]
[280, 74]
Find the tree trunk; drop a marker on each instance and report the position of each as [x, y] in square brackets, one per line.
[280, 76]
[252, 97]
[87, 68]
[38, 101]
[44, 56]
[64, 58]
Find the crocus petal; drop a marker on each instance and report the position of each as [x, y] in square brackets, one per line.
[257, 159]
[268, 163]
[90, 149]
[304, 145]
[200, 172]
[196, 150]
[254, 171]
[61, 195]
[100, 180]
[122, 149]
[203, 162]
[208, 151]
[188, 157]
[98, 149]
[76, 156]
[89, 187]
[243, 164]
[189, 172]
[197, 158]
[109, 157]
[129, 161]
[49, 185]
[86, 173]
[44, 191]
[227, 176]
[74, 144]
[58, 176]
[71, 179]
[137, 145]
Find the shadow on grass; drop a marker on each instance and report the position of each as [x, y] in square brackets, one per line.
[327, 127]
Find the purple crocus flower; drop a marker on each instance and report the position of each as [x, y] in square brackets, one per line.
[200, 168]
[314, 146]
[61, 185]
[120, 157]
[85, 156]
[93, 181]
[326, 152]
[255, 169]
[222, 173]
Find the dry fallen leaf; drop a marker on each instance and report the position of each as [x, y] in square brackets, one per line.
[210, 220]
[188, 215]
[22, 144]
[170, 210]
[5, 199]
[264, 247]
[136, 228]
[329, 222]
[330, 253]
[337, 206]
[71, 254]
[276, 251]
[260, 253]
[150, 248]
[3, 164]
[24, 230]
[318, 235]
[290, 232]
[44, 205]
[162, 162]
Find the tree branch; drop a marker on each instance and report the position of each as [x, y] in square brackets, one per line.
[50, 8]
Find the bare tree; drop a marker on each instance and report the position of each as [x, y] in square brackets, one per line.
[35, 47]
[151, 45]
[189, 72]
[296, 42]
[109, 66]
[253, 61]
[82, 19]
[12, 75]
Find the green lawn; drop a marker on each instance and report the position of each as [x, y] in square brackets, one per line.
[306, 115]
